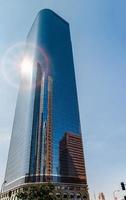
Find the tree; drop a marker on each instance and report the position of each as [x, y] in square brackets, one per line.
[37, 192]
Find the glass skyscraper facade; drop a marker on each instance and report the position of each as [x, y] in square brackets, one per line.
[46, 143]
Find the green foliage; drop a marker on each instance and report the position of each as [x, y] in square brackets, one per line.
[37, 192]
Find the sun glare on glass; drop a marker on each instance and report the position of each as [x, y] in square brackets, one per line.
[26, 66]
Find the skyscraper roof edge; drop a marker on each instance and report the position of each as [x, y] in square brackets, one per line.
[47, 10]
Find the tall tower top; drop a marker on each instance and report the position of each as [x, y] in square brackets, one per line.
[51, 12]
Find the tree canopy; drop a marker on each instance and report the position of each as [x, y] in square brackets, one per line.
[37, 192]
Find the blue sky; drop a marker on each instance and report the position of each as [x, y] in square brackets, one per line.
[98, 34]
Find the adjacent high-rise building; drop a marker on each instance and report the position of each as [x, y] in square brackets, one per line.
[47, 107]
[101, 196]
[72, 159]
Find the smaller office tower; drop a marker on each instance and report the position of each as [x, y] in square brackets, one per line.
[71, 158]
[101, 196]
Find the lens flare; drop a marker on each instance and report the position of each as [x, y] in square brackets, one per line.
[17, 62]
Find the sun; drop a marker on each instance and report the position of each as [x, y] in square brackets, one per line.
[26, 66]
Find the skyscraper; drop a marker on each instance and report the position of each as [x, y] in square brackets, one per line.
[47, 107]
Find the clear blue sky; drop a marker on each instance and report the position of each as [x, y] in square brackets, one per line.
[98, 31]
